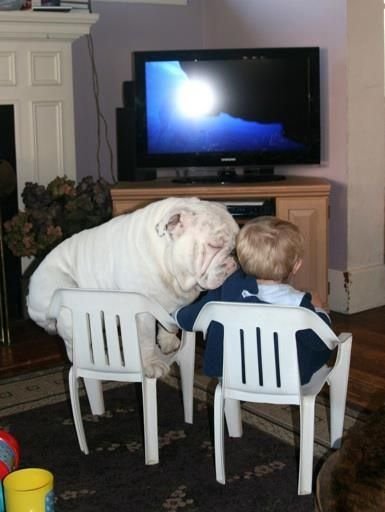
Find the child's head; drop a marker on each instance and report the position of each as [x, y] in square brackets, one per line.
[270, 248]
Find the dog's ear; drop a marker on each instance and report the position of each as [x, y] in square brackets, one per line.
[168, 224]
[175, 223]
[178, 216]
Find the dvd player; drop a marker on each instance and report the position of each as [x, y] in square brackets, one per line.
[250, 209]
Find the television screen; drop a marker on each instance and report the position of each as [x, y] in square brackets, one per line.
[248, 108]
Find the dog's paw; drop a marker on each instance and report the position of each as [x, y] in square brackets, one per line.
[156, 369]
[168, 342]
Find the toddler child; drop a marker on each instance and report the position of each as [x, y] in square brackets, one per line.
[270, 252]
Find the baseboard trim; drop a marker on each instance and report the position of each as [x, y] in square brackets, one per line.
[356, 290]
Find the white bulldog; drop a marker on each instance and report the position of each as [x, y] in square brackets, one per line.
[170, 250]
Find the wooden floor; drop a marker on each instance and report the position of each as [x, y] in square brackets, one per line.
[31, 348]
[367, 370]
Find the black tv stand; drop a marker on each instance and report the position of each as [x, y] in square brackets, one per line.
[230, 176]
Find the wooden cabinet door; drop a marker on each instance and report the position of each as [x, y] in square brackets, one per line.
[311, 216]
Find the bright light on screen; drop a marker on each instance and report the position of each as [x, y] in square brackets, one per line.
[195, 98]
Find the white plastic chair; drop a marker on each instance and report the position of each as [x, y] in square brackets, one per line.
[260, 365]
[106, 348]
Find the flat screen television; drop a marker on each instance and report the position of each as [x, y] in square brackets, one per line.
[241, 112]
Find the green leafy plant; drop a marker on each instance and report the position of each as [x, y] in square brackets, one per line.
[55, 212]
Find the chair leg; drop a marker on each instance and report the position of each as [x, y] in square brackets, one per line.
[233, 417]
[337, 395]
[150, 421]
[219, 440]
[305, 476]
[76, 411]
[95, 396]
[338, 382]
[186, 361]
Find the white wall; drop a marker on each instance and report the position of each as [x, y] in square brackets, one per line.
[365, 270]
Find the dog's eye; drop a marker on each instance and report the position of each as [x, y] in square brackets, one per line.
[215, 246]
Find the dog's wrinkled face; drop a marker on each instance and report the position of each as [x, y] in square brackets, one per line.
[202, 240]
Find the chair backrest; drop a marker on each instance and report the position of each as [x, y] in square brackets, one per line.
[260, 351]
[104, 328]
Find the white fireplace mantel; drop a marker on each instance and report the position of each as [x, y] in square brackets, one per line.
[30, 25]
[36, 79]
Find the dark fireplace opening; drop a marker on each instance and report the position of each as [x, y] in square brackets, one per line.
[9, 207]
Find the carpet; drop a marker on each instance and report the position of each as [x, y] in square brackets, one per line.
[261, 467]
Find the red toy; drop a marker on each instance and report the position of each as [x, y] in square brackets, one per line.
[9, 453]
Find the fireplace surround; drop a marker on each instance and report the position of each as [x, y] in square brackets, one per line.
[36, 81]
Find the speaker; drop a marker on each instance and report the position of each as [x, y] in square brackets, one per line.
[125, 141]
[125, 138]
[128, 92]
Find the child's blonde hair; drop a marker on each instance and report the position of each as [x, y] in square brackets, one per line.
[269, 248]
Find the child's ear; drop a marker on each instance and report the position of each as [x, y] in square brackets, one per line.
[297, 266]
